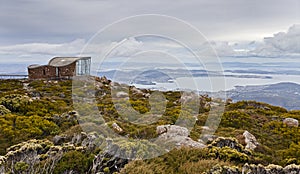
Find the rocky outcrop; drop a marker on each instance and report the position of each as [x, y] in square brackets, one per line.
[207, 138]
[270, 169]
[250, 140]
[78, 138]
[255, 169]
[27, 157]
[58, 139]
[224, 170]
[2, 164]
[4, 110]
[228, 149]
[105, 162]
[28, 153]
[177, 136]
[227, 142]
[172, 130]
[291, 122]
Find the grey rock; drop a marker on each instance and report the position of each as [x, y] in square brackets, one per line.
[4, 110]
[121, 94]
[291, 122]
[208, 138]
[292, 169]
[217, 169]
[172, 130]
[251, 142]
[176, 136]
[78, 138]
[270, 169]
[117, 127]
[58, 140]
[228, 142]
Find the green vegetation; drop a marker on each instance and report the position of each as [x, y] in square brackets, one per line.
[33, 113]
[74, 161]
[184, 160]
[15, 129]
[42, 109]
[21, 167]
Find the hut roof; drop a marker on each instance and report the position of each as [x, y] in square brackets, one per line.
[63, 61]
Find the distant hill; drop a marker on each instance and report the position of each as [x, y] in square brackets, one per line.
[283, 94]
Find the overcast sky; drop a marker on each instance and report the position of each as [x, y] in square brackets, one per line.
[24, 21]
[74, 22]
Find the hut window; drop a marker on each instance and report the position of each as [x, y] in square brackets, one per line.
[56, 71]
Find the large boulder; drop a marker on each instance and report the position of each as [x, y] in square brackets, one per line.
[250, 140]
[172, 130]
[176, 136]
[291, 122]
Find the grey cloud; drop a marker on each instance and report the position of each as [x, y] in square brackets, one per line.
[281, 44]
[31, 29]
[71, 19]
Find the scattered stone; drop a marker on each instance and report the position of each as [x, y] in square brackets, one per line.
[4, 110]
[62, 95]
[104, 162]
[117, 127]
[161, 129]
[250, 140]
[212, 104]
[2, 160]
[188, 97]
[78, 138]
[217, 169]
[58, 140]
[291, 122]
[121, 94]
[206, 128]
[188, 142]
[102, 80]
[27, 152]
[208, 138]
[270, 169]
[73, 113]
[228, 101]
[136, 91]
[98, 84]
[35, 94]
[228, 142]
[2, 163]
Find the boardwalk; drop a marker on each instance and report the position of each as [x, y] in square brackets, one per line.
[13, 76]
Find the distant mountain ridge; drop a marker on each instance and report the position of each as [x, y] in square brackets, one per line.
[284, 94]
